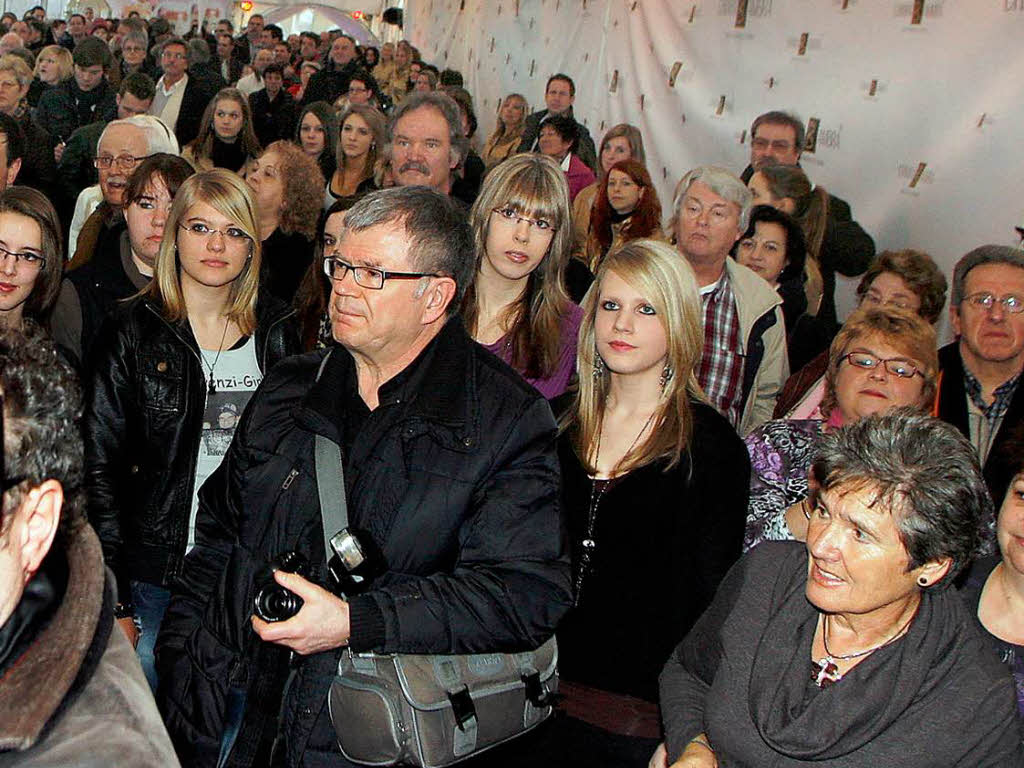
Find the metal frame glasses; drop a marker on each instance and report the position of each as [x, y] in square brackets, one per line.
[508, 215]
[985, 300]
[25, 257]
[368, 277]
[897, 366]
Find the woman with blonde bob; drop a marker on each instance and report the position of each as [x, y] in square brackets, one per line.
[654, 493]
[53, 66]
[517, 306]
[173, 371]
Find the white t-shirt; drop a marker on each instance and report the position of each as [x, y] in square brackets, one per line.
[235, 377]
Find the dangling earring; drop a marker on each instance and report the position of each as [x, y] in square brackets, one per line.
[598, 365]
[666, 375]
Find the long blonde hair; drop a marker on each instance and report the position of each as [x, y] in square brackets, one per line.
[226, 193]
[667, 281]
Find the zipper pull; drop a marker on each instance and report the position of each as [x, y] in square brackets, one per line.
[288, 480]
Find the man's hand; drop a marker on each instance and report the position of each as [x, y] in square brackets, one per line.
[696, 755]
[320, 625]
[58, 151]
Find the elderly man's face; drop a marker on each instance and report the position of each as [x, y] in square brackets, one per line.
[991, 335]
[378, 324]
[255, 26]
[343, 51]
[707, 224]
[421, 150]
[174, 61]
[123, 146]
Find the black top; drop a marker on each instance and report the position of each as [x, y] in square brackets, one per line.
[285, 260]
[664, 540]
[937, 696]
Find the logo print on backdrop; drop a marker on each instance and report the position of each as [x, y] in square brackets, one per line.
[676, 66]
[811, 142]
[721, 105]
[917, 175]
[916, 15]
[641, 102]
[873, 88]
[615, 82]
[801, 48]
[693, 12]
[741, 14]
[920, 10]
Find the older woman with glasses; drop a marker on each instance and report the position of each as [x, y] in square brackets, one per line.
[173, 370]
[851, 650]
[881, 359]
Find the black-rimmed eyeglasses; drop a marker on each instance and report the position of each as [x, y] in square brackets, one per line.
[368, 277]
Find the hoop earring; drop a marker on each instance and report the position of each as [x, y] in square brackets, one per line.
[666, 375]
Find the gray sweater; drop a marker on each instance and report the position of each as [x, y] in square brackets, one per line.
[935, 698]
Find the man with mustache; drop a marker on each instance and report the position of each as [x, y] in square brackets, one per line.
[426, 141]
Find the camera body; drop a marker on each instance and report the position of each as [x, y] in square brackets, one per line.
[272, 602]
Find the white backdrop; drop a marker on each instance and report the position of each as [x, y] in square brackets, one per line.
[893, 84]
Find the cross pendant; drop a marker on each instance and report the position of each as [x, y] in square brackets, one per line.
[825, 672]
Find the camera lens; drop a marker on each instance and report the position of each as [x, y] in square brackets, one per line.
[276, 603]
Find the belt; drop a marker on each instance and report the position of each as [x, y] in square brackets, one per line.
[613, 712]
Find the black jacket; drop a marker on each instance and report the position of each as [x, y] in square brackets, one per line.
[66, 107]
[454, 476]
[951, 405]
[585, 149]
[273, 120]
[142, 428]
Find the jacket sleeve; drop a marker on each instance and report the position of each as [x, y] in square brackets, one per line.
[847, 248]
[772, 375]
[510, 584]
[530, 132]
[73, 170]
[111, 402]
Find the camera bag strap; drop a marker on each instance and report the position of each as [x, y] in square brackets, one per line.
[330, 482]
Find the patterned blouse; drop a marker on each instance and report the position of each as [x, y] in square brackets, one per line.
[780, 458]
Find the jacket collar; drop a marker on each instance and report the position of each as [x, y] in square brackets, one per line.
[62, 657]
[438, 387]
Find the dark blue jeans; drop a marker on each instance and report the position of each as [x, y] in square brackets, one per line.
[150, 605]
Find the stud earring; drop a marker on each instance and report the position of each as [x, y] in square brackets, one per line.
[922, 581]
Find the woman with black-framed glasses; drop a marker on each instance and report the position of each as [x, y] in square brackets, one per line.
[31, 263]
[882, 358]
[173, 372]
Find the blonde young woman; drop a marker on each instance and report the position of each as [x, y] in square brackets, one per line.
[508, 133]
[53, 66]
[360, 144]
[172, 373]
[517, 306]
[654, 498]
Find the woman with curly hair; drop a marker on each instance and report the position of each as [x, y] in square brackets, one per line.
[226, 138]
[360, 145]
[317, 134]
[286, 183]
[627, 208]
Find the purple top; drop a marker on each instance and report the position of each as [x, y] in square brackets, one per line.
[555, 384]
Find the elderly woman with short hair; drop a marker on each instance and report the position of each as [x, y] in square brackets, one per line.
[881, 359]
[851, 651]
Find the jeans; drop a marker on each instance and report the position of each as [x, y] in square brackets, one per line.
[150, 605]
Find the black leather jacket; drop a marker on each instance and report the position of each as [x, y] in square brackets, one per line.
[142, 427]
[454, 477]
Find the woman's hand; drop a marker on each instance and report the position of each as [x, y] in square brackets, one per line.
[696, 755]
[127, 625]
[660, 757]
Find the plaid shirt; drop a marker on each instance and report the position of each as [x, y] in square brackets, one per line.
[985, 419]
[720, 372]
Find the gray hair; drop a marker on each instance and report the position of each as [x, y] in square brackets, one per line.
[159, 138]
[720, 181]
[440, 240]
[984, 254]
[198, 51]
[920, 470]
[136, 36]
[777, 117]
[444, 104]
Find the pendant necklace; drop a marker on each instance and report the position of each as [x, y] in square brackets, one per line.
[211, 388]
[825, 671]
[597, 491]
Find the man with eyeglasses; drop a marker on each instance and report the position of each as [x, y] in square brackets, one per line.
[98, 211]
[71, 688]
[980, 372]
[777, 138]
[451, 477]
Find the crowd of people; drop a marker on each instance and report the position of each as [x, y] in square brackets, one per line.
[564, 408]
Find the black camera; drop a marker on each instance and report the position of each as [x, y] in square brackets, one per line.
[272, 601]
[356, 561]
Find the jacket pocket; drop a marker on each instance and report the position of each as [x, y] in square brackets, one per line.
[161, 383]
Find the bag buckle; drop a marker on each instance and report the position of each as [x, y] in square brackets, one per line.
[462, 706]
[536, 693]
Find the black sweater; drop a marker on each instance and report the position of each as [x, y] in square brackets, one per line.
[664, 541]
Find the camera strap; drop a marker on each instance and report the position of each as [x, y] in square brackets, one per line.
[330, 482]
